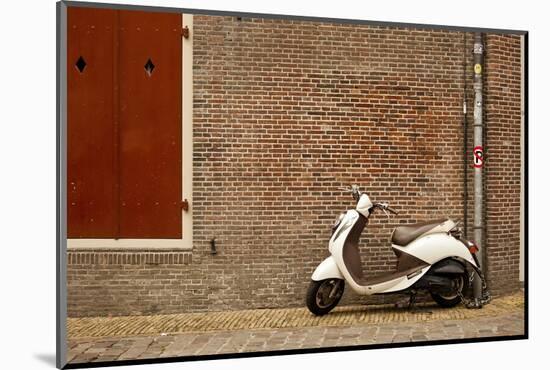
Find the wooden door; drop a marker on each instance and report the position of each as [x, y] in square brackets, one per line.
[124, 124]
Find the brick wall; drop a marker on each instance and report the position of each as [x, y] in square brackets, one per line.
[503, 152]
[127, 283]
[285, 112]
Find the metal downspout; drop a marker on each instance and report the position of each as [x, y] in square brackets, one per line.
[465, 140]
[478, 170]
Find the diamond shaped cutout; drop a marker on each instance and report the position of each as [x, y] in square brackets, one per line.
[149, 67]
[80, 64]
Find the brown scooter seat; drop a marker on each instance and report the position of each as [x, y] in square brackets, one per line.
[403, 235]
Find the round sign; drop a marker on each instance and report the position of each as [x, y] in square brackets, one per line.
[478, 156]
[477, 69]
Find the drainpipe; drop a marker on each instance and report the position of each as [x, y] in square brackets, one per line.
[466, 157]
[478, 143]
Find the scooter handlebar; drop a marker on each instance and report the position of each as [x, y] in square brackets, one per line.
[345, 189]
[354, 190]
[385, 207]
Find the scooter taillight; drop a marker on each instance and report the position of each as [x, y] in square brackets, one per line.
[473, 248]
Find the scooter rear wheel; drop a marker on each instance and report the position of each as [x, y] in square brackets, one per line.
[451, 299]
[322, 296]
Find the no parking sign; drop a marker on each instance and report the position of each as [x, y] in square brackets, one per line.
[478, 156]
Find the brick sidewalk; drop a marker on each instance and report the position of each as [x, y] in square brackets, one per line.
[122, 338]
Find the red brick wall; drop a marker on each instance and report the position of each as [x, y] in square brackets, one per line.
[503, 152]
[285, 112]
[128, 283]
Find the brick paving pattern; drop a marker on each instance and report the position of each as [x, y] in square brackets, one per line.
[271, 330]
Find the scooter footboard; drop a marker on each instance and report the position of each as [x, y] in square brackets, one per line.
[327, 270]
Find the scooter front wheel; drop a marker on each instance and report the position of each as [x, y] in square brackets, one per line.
[322, 296]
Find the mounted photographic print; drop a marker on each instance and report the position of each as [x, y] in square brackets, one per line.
[235, 184]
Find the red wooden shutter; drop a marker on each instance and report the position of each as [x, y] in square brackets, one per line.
[150, 124]
[124, 124]
[91, 155]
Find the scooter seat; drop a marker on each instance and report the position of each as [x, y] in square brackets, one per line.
[403, 235]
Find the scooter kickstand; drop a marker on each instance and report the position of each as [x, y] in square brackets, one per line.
[412, 300]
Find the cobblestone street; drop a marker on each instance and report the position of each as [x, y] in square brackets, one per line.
[125, 338]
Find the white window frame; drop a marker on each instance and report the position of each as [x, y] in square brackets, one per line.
[186, 242]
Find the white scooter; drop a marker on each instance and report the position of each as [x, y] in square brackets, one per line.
[430, 255]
